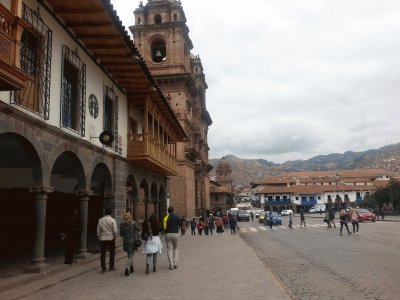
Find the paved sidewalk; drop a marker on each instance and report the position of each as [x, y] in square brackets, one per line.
[210, 267]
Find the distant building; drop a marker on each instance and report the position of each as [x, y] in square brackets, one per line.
[333, 188]
[221, 191]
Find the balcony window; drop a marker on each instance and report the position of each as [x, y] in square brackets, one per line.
[73, 91]
[35, 58]
[111, 114]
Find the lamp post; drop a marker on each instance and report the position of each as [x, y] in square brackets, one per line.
[337, 200]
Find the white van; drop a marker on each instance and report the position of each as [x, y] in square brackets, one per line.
[317, 208]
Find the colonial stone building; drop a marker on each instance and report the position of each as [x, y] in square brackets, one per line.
[221, 191]
[162, 37]
[82, 124]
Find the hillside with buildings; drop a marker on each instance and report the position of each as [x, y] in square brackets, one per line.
[246, 171]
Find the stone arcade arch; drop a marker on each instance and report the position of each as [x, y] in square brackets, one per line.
[23, 201]
[141, 206]
[131, 195]
[101, 198]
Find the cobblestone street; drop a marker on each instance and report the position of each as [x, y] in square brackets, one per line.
[318, 263]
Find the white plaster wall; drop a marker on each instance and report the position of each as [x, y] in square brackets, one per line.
[95, 81]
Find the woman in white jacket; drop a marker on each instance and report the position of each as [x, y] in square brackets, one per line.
[152, 246]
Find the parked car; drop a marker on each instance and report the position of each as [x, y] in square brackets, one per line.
[286, 212]
[257, 214]
[262, 216]
[276, 219]
[243, 215]
[365, 215]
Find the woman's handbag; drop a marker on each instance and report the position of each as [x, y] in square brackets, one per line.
[137, 243]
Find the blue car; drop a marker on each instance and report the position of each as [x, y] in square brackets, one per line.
[276, 219]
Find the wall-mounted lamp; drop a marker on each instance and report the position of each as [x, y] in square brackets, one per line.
[106, 138]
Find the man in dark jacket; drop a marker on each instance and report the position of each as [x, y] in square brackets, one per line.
[171, 227]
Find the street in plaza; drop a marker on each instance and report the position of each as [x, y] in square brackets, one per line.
[317, 263]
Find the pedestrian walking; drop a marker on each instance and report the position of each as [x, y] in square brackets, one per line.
[220, 225]
[252, 216]
[269, 220]
[232, 224]
[326, 219]
[290, 220]
[354, 220]
[211, 224]
[332, 218]
[225, 219]
[129, 231]
[193, 226]
[302, 218]
[183, 226]
[344, 218]
[171, 227]
[152, 245]
[71, 236]
[106, 233]
[200, 226]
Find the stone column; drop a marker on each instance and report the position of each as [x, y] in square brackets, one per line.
[146, 201]
[37, 261]
[109, 202]
[83, 220]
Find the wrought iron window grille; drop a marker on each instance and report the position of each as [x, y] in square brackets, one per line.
[73, 91]
[35, 57]
[111, 115]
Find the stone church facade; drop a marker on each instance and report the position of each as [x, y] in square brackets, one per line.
[162, 37]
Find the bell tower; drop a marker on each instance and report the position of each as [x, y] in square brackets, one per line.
[162, 37]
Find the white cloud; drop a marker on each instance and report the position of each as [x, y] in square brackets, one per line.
[294, 79]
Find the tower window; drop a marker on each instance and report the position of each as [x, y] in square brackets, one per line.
[158, 51]
[175, 17]
[139, 20]
[157, 19]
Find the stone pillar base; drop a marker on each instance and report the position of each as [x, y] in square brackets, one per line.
[37, 268]
[82, 254]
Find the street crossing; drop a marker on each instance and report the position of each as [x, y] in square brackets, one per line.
[266, 228]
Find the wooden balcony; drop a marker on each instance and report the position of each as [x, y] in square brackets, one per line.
[145, 151]
[11, 76]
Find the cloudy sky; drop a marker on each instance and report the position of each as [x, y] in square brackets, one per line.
[292, 79]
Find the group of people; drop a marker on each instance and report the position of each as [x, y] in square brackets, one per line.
[345, 217]
[218, 221]
[131, 232]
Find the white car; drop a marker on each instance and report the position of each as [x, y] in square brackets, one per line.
[286, 212]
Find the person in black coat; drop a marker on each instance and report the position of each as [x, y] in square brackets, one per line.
[71, 237]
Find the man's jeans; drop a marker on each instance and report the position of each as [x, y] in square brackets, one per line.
[103, 248]
[171, 239]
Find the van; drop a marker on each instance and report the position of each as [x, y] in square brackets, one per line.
[317, 208]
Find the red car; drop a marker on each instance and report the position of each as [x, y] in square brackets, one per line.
[365, 215]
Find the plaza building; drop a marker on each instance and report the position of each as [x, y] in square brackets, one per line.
[162, 37]
[302, 190]
[83, 124]
[221, 189]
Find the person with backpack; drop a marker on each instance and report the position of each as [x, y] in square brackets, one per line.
[219, 224]
[354, 220]
[332, 218]
[344, 218]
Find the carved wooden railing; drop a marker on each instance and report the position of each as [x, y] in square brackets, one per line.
[142, 147]
[7, 35]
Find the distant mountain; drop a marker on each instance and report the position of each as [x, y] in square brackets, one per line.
[247, 171]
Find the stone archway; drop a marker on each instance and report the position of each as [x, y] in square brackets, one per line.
[101, 198]
[141, 206]
[67, 178]
[20, 171]
[131, 195]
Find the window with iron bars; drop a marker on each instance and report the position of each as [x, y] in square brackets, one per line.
[73, 91]
[35, 57]
[111, 115]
